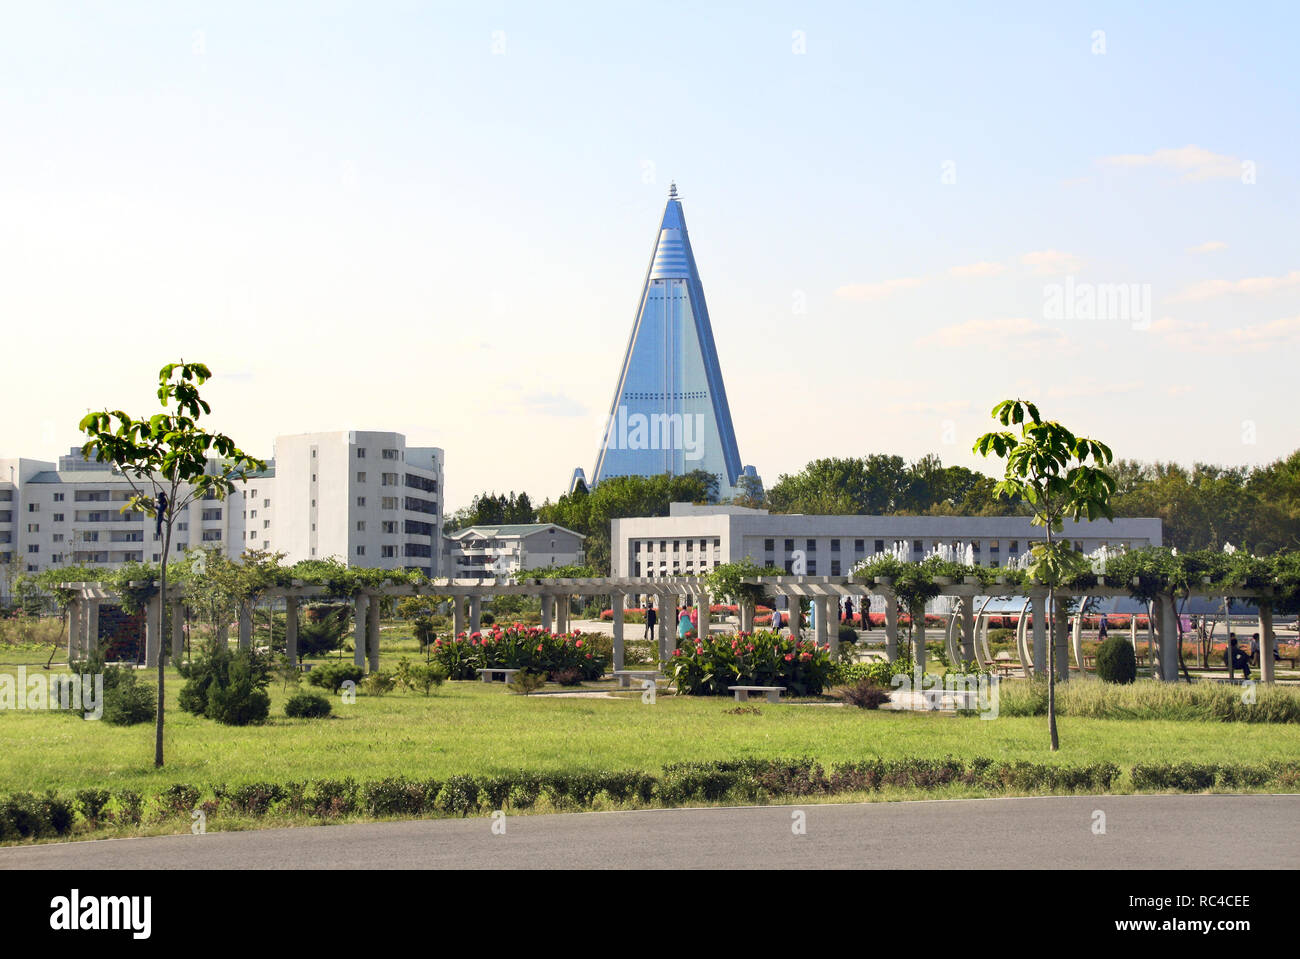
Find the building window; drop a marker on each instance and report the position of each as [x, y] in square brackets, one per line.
[211, 535]
[252, 534]
[389, 526]
[835, 567]
[361, 526]
[919, 547]
[389, 454]
[266, 503]
[253, 515]
[361, 476]
[387, 552]
[1015, 546]
[811, 546]
[266, 524]
[33, 507]
[58, 497]
[361, 452]
[33, 527]
[33, 548]
[812, 567]
[789, 546]
[835, 546]
[361, 551]
[58, 537]
[769, 545]
[361, 501]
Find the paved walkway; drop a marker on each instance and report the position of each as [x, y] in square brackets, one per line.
[1141, 832]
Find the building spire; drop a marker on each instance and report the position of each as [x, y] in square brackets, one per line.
[672, 190]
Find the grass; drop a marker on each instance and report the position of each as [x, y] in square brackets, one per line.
[472, 727]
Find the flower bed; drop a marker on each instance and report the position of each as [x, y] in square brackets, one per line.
[710, 667]
[519, 647]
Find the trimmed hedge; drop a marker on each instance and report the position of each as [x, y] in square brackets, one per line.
[28, 816]
[1116, 662]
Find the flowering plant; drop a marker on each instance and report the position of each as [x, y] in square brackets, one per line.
[711, 665]
[517, 646]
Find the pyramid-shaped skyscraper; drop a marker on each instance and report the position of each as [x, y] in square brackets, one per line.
[670, 412]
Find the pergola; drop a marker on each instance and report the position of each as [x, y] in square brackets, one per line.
[824, 592]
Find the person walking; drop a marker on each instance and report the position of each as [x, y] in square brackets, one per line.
[651, 617]
[683, 624]
[1101, 628]
[848, 610]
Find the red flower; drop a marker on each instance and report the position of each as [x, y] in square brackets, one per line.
[578, 643]
[789, 657]
[539, 647]
[677, 652]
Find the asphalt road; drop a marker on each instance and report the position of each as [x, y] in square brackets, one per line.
[1167, 832]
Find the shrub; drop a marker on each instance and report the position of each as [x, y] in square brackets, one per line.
[378, 683]
[332, 676]
[1115, 661]
[864, 694]
[567, 677]
[847, 634]
[525, 682]
[28, 816]
[127, 700]
[711, 665]
[178, 798]
[91, 803]
[522, 647]
[305, 705]
[487, 619]
[227, 687]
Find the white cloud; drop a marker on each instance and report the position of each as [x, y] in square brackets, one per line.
[984, 268]
[877, 291]
[1050, 262]
[1255, 285]
[994, 334]
[1208, 247]
[1200, 337]
[1193, 162]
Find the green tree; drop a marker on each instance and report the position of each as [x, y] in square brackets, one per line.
[165, 458]
[1047, 466]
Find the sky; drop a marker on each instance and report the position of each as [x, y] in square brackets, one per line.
[436, 219]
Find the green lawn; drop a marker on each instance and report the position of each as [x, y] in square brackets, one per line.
[471, 727]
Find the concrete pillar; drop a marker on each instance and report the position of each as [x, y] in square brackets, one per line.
[1061, 639]
[703, 607]
[152, 630]
[617, 606]
[372, 633]
[667, 625]
[291, 629]
[546, 612]
[458, 615]
[178, 632]
[918, 639]
[1153, 622]
[1038, 615]
[245, 626]
[891, 627]
[1169, 641]
[831, 623]
[74, 621]
[968, 629]
[1266, 642]
[360, 606]
[475, 613]
[794, 619]
[746, 614]
[562, 611]
[1133, 633]
[91, 642]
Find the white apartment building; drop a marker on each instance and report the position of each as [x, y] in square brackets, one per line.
[70, 513]
[692, 539]
[363, 497]
[487, 552]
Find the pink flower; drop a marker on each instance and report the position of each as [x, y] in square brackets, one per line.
[789, 657]
[677, 652]
[578, 643]
[539, 647]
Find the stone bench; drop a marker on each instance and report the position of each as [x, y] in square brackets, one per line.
[773, 692]
[625, 676]
[488, 675]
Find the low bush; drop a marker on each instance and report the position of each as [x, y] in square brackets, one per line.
[305, 705]
[332, 676]
[227, 687]
[1153, 699]
[523, 647]
[567, 677]
[1116, 662]
[378, 683]
[711, 665]
[526, 682]
[420, 677]
[864, 694]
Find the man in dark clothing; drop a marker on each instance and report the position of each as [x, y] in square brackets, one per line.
[650, 618]
[1234, 658]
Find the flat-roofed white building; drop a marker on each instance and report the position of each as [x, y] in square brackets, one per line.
[362, 496]
[488, 552]
[693, 539]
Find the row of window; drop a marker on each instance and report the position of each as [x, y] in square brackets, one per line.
[677, 545]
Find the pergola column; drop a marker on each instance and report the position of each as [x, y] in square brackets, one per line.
[475, 613]
[457, 615]
[703, 607]
[1061, 639]
[546, 612]
[178, 632]
[245, 626]
[1038, 619]
[831, 623]
[1266, 641]
[617, 630]
[360, 606]
[152, 631]
[968, 629]
[91, 642]
[74, 627]
[372, 632]
[891, 627]
[667, 626]
[291, 629]
[795, 624]
[745, 611]
[1169, 651]
[918, 639]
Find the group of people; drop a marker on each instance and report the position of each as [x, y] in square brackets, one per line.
[686, 617]
[1234, 657]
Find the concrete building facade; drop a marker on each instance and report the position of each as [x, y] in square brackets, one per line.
[692, 539]
[490, 552]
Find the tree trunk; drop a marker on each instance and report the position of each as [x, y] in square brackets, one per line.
[1051, 656]
[162, 634]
